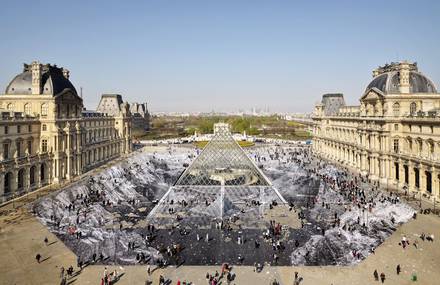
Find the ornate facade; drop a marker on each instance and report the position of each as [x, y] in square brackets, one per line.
[140, 117]
[393, 136]
[46, 135]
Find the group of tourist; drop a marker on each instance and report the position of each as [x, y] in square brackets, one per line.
[357, 194]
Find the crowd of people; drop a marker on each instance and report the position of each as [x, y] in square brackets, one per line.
[356, 193]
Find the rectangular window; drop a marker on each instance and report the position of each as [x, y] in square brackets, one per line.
[396, 146]
[29, 147]
[18, 146]
[5, 150]
[396, 127]
[44, 127]
[30, 128]
[417, 177]
[44, 109]
[6, 130]
[406, 174]
[18, 129]
[44, 146]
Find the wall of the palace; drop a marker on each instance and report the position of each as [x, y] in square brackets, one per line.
[390, 146]
[54, 141]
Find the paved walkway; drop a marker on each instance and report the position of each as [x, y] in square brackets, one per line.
[21, 238]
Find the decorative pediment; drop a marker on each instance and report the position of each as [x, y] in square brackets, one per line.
[68, 97]
[372, 94]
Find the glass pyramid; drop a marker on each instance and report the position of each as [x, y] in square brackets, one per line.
[222, 162]
[222, 182]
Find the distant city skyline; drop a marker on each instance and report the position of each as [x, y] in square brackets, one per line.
[199, 56]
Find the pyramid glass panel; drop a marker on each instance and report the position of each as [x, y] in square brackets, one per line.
[223, 162]
[222, 182]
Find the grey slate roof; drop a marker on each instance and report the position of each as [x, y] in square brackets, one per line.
[53, 82]
[388, 83]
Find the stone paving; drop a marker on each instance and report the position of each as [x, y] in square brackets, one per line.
[21, 238]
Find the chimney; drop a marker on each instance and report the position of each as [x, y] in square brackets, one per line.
[404, 68]
[66, 73]
[36, 77]
[375, 72]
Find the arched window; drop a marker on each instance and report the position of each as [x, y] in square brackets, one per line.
[10, 107]
[7, 182]
[27, 109]
[413, 108]
[44, 109]
[42, 172]
[396, 109]
[32, 175]
[20, 179]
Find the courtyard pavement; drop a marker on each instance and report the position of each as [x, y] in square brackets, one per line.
[21, 238]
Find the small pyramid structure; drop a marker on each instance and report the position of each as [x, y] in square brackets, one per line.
[221, 182]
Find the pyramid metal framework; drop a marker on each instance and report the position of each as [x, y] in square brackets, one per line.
[223, 161]
[221, 182]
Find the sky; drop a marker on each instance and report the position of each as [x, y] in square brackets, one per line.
[188, 56]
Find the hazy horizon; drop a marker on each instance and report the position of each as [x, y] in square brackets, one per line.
[187, 56]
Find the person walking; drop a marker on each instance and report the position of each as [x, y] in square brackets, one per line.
[161, 280]
[62, 272]
[382, 277]
[46, 241]
[376, 275]
[38, 257]
[398, 269]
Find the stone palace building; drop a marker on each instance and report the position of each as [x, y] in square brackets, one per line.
[140, 117]
[393, 136]
[46, 135]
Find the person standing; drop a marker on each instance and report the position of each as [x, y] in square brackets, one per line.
[398, 269]
[382, 277]
[376, 275]
[38, 257]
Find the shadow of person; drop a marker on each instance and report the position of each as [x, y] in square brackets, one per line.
[43, 260]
